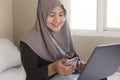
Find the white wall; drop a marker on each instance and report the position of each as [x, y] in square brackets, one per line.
[6, 26]
[24, 15]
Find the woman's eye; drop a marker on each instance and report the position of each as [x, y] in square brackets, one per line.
[61, 15]
[51, 15]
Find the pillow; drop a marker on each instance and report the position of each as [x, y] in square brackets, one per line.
[9, 54]
[15, 73]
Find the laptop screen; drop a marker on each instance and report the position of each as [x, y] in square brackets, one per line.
[103, 62]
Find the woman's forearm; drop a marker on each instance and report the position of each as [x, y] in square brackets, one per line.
[51, 70]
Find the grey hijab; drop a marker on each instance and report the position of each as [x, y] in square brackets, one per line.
[49, 45]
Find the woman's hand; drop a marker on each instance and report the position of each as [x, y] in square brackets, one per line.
[60, 68]
[80, 66]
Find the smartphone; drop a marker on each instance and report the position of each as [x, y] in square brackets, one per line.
[72, 61]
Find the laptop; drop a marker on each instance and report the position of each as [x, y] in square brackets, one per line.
[103, 62]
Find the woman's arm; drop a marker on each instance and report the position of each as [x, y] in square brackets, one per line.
[38, 69]
[35, 67]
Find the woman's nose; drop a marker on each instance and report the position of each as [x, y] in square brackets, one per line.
[57, 19]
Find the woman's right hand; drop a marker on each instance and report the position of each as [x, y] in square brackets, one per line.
[61, 69]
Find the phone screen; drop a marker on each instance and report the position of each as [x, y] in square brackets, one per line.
[72, 61]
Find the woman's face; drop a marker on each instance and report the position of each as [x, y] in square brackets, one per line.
[56, 19]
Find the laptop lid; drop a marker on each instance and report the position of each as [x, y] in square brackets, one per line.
[103, 62]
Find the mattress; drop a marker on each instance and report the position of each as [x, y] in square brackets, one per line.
[16, 73]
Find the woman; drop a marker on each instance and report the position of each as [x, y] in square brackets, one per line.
[49, 45]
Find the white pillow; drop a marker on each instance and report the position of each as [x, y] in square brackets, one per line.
[9, 54]
[15, 73]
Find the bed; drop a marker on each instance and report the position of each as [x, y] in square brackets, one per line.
[10, 62]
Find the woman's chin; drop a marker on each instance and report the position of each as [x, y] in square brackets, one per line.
[56, 29]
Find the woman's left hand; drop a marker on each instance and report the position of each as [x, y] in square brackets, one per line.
[80, 66]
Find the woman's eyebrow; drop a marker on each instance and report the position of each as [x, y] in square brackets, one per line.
[62, 12]
[59, 12]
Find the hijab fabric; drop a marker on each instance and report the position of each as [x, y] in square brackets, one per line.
[49, 45]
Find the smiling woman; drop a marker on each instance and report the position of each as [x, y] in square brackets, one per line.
[49, 44]
[56, 18]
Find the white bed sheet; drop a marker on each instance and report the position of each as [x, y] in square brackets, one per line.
[115, 76]
[13, 74]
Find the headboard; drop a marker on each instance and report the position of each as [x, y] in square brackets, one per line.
[6, 26]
